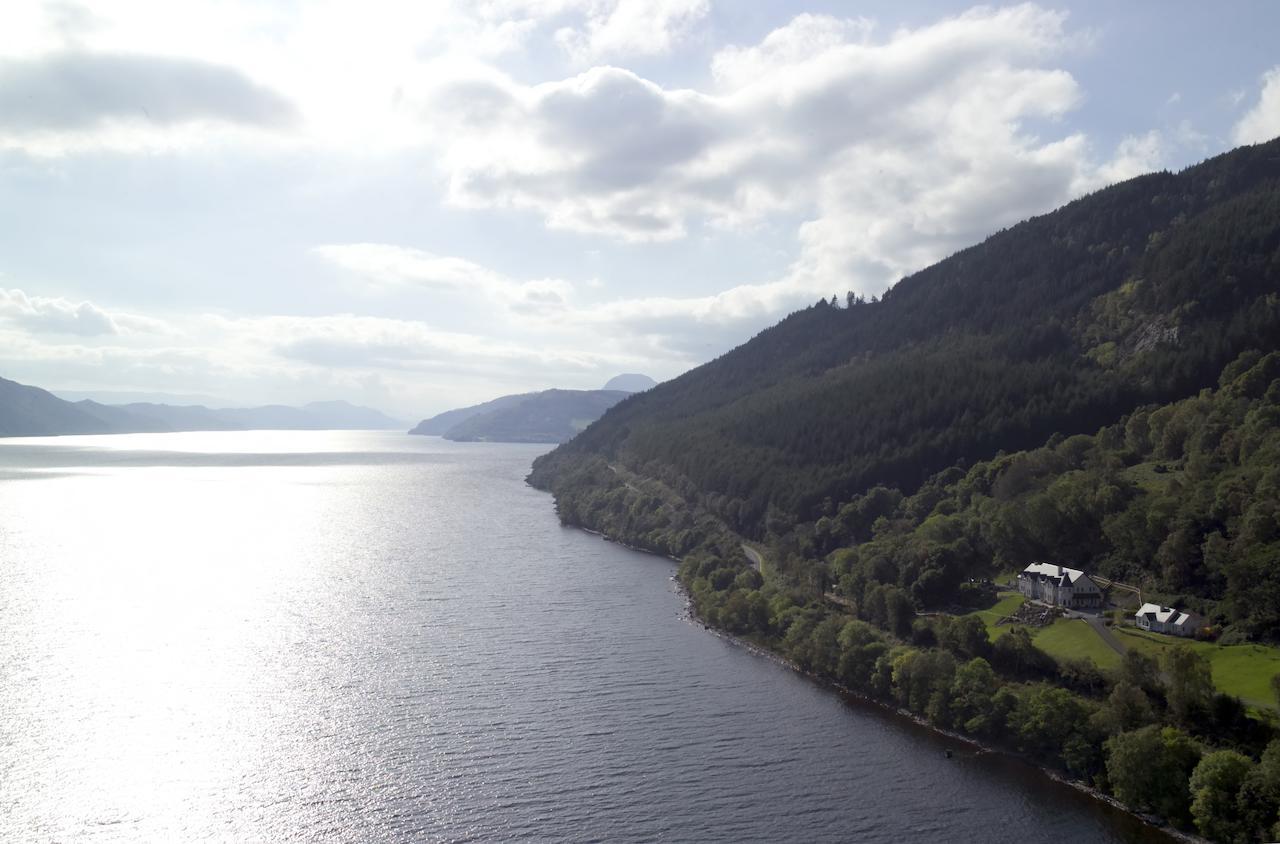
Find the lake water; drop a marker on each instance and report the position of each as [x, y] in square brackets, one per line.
[337, 636]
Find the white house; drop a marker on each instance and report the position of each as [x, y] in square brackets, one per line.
[1060, 586]
[1168, 620]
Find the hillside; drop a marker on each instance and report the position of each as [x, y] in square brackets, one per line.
[1098, 387]
[1140, 293]
[439, 424]
[1180, 500]
[551, 416]
[31, 412]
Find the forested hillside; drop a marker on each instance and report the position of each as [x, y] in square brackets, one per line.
[1182, 500]
[1098, 387]
[1137, 294]
[551, 416]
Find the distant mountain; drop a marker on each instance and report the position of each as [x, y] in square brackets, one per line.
[120, 420]
[182, 417]
[31, 411]
[552, 416]
[343, 415]
[630, 382]
[440, 424]
[115, 398]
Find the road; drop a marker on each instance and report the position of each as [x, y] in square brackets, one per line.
[756, 558]
[1099, 626]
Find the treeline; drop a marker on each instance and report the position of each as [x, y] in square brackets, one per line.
[1157, 736]
[1181, 499]
[641, 512]
[1137, 294]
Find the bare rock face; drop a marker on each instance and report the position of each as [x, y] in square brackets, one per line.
[1159, 331]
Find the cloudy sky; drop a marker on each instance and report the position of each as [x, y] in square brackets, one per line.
[417, 205]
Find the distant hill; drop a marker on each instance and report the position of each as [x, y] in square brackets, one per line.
[123, 420]
[552, 416]
[630, 382]
[341, 414]
[440, 424]
[31, 411]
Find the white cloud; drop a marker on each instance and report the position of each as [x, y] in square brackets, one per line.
[59, 316]
[1262, 122]
[897, 150]
[69, 99]
[880, 150]
[46, 315]
[388, 264]
[1135, 155]
[383, 264]
[289, 358]
[631, 27]
[73, 90]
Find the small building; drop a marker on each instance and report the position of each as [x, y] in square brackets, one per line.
[1059, 586]
[1160, 619]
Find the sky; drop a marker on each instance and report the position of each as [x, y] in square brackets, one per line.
[421, 205]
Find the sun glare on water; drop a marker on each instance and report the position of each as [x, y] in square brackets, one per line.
[159, 614]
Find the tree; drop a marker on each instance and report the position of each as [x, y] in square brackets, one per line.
[1014, 654]
[1190, 685]
[1127, 708]
[860, 647]
[1149, 770]
[1259, 797]
[973, 705]
[825, 651]
[920, 675]
[1215, 784]
[1140, 670]
[966, 637]
[1045, 719]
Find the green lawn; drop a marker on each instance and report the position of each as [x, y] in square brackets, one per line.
[1007, 605]
[1241, 670]
[1072, 638]
[1146, 476]
[1068, 638]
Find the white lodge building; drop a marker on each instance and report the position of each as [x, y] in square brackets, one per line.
[1060, 586]
[1168, 620]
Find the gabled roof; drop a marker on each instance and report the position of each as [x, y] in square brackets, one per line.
[1053, 571]
[1164, 615]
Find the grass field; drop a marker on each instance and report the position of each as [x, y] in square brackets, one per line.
[1072, 638]
[1241, 670]
[1007, 605]
[1146, 476]
[1064, 639]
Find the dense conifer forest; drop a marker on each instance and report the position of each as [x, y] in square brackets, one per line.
[1136, 294]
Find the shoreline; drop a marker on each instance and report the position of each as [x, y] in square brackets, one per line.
[897, 712]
